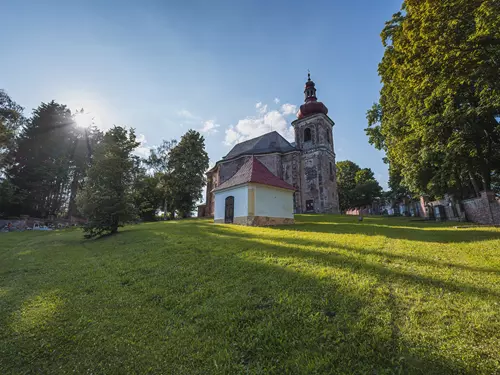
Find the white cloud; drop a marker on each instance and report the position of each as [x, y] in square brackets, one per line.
[261, 108]
[190, 119]
[142, 150]
[264, 122]
[184, 113]
[288, 109]
[277, 100]
[209, 127]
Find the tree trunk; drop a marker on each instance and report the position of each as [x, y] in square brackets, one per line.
[460, 185]
[475, 184]
[72, 211]
[486, 175]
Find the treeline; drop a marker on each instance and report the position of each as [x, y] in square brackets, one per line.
[52, 165]
[438, 117]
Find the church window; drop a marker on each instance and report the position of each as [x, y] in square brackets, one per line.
[329, 137]
[331, 169]
[307, 135]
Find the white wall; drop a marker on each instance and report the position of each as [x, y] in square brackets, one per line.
[240, 194]
[273, 202]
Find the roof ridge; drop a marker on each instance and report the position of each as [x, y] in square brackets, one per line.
[266, 143]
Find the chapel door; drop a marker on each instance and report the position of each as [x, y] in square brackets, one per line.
[229, 210]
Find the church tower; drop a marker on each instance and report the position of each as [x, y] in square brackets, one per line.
[314, 138]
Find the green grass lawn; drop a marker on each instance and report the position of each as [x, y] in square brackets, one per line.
[327, 295]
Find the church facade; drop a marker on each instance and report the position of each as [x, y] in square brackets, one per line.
[308, 164]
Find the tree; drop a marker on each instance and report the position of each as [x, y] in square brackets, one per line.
[39, 170]
[357, 187]
[346, 182]
[158, 162]
[106, 199]
[11, 119]
[438, 114]
[85, 140]
[148, 195]
[187, 164]
[159, 156]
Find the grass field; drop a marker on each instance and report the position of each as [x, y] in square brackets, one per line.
[327, 295]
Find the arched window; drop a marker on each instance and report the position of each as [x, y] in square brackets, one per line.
[331, 169]
[329, 137]
[307, 135]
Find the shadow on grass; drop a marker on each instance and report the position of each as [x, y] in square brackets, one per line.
[191, 302]
[277, 250]
[402, 229]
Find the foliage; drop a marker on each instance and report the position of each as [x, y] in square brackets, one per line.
[11, 119]
[106, 199]
[158, 162]
[159, 156]
[437, 118]
[42, 160]
[357, 187]
[327, 295]
[187, 164]
[46, 168]
[148, 195]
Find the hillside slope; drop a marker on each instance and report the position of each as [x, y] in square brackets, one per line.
[327, 295]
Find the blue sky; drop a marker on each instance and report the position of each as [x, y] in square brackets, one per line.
[232, 69]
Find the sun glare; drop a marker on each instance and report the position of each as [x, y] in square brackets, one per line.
[84, 120]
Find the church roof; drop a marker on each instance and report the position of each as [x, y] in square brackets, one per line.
[254, 171]
[265, 144]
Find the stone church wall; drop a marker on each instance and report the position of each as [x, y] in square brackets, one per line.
[317, 165]
[228, 169]
[318, 184]
[291, 174]
[272, 162]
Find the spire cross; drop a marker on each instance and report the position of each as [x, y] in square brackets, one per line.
[308, 75]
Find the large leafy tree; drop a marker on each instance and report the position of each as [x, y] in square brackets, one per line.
[39, 170]
[346, 182]
[148, 195]
[438, 114]
[187, 164]
[83, 143]
[158, 164]
[356, 186]
[107, 198]
[11, 119]
[46, 160]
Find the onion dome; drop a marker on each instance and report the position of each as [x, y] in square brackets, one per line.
[311, 105]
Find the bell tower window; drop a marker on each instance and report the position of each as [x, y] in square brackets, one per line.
[307, 135]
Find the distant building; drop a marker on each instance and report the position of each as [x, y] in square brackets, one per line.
[307, 165]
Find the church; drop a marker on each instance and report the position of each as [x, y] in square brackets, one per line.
[306, 165]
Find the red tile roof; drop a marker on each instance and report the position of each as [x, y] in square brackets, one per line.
[254, 171]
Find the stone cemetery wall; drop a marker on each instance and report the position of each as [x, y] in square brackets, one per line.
[484, 209]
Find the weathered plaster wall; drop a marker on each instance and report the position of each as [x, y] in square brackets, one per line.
[273, 202]
[240, 194]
